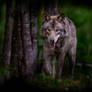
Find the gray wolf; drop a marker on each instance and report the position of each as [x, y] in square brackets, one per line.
[59, 40]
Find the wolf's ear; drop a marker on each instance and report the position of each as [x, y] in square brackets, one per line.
[46, 16]
[61, 17]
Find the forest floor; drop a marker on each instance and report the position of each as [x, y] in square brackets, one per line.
[82, 81]
[78, 83]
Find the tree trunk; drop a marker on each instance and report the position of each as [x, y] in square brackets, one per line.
[20, 46]
[34, 39]
[15, 50]
[19, 63]
[51, 7]
[24, 41]
[8, 34]
[27, 39]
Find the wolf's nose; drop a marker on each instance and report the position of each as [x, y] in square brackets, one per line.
[52, 41]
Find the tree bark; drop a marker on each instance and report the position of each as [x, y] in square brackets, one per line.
[22, 40]
[34, 39]
[20, 65]
[14, 48]
[27, 39]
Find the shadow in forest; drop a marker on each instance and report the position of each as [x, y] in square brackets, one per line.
[17, 84]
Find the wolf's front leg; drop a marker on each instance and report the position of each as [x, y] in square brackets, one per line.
[53, 62]
[72, 60]
[60, 66]
[46, 67]
[49, 66]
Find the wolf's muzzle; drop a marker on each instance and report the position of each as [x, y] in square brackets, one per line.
[51, 42]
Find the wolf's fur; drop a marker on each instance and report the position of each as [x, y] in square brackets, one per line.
[62, 32]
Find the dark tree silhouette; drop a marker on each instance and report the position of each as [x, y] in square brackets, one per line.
[27, 40]
[51, 6]
[20, 66]
[24, 40]
[17, 49]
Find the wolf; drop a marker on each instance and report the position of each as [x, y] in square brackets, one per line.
[59, 41]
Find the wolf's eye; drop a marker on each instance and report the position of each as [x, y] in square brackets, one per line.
[47, 31]
[57, 30]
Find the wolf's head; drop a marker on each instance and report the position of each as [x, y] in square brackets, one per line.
[53, 28]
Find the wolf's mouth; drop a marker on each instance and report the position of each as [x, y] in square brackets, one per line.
[52, 46]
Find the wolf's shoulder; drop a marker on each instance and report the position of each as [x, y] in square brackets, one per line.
[72, 27]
